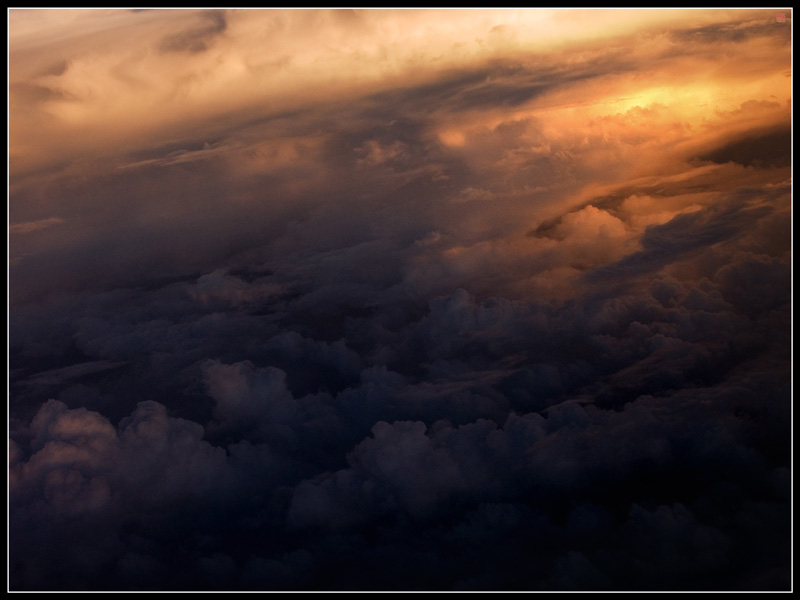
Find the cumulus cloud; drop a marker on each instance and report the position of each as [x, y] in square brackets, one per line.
[399, 300]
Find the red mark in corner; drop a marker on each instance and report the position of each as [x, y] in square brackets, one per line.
[781, 18]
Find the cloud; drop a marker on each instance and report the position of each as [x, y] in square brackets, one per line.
[58, 376]
[686, 234]
[737, 32]
[399, 300]
[32, 226]
[769, 149]
[196, 39]
[247, 399]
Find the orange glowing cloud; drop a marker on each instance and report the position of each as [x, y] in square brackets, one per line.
[87, 80]
[569, 116]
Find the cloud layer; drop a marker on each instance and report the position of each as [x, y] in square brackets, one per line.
[399, 300]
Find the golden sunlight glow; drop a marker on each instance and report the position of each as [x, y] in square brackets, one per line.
[123, 74]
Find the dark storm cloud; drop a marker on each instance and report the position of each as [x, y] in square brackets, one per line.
[685, 235]
[313, 348]
[417, 472]
[351, 411]
[198, 37]
[771, 149]
[578, 456]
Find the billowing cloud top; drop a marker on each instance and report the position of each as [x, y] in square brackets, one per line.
[399, 299]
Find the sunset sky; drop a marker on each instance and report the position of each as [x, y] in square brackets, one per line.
[399, 299]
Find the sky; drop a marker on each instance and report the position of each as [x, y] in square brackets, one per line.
[387, 299]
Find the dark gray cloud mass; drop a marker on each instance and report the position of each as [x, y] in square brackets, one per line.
[524, 325]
